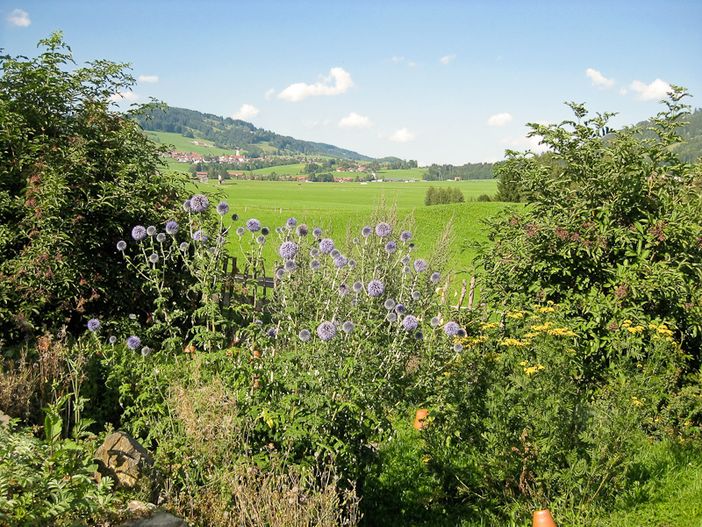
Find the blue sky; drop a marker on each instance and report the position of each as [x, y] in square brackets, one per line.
[440, 81]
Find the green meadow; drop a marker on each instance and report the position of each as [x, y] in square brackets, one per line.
[343, 208]
[185, 144]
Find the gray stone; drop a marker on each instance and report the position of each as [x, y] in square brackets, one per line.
[159, 519]
[122, 458]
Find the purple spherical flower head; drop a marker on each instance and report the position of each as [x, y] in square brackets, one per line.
[405, 236]
[183, 246]
[304, 335]
[410, 323]
[435, 277]
[200, 236]
[317, 232]
[153, 258]
[187, 206]
[343, 290]
[326, 245]
[458, 347]
[335, 253]
[406, 270]
[383, 229]
[161, 237]
[416, 295]
[314, 252]
[145, 351]
[391, 317]
[288, 250]
[222, 208]
[390, 247]
[400, 308]
[347, 327]
[151, 230]
[261, 240]
[451, 328]
[326, 330]
[272, 332]
[358, 287]
[434, 322]
[314, 265]
[112, 340]
[366, 231]
[139, 232]
[280, 273]
[461, 333]
[121, 245]
[93, 324]
[253, 225]
[340, 261]
[405, 260]
[375, 288]
[352, 263]
[302, 230]
[290, 266]
[389, 304]
[420, 265]
[199, 203]
[291, 222]
[171, 227]
[133, 342]
[240, 231]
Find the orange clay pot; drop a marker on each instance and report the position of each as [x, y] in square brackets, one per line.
[543, 518]
[420, 418]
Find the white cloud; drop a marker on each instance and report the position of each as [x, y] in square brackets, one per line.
[499, 119]
[598, 79]
[399, 59]
[446, 59]
[246, 112]
[354, 120]
[148, 79]
[403, 135]
[656, 90]
[19, 18]
[525, 143]
[127, 96]
[269, 94]
[339, 81]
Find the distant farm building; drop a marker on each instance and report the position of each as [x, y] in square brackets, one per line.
[202, 176]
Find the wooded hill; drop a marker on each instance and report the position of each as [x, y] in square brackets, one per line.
[226, 132]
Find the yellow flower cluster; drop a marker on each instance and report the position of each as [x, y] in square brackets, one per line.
[519, 343]
[561, 332]
[531, 370]
[627, 325]
[636, 401]
[488, 325]
[516, 315]
[542, 327]
[661, 329]
[470, 340]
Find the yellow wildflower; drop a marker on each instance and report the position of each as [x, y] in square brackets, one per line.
[514, 342]
[517, 315]
[530, 335]
[546, 309]
[635, 329]
[636, 401]
[524, 363]
[542, 327]
[561, 332]
[489, 325]
[531, 370]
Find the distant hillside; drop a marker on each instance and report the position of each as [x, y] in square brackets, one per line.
[226, 132]
[691, 149]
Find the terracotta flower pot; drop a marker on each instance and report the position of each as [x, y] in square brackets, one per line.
[543, 518]
[420, 417]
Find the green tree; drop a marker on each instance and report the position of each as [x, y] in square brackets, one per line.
[74, 174]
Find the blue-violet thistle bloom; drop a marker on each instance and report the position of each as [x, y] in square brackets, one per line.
[133, 342]
[153, 258]
[340, 261]
[291, 222]
[199, 236]
[434, 321]
[280, 273]
[416, 295]
[400, 308]
[121, 245]
[343, 290]
[335, 253]
[317, 232]
[405, 236]
[151, 230]
[161, 237]
[383, 229]
[461, 333]
[358, 287]
[435, 277]
[138, 232]
[451, 328]
[240, 231]
[375, 288]
[366, 231]
[391, 317]
[253, 225]
[410, 323]
[314, 265]
[288, 250]
[222, 208]
[314, 252]
[302, 230]
[326, 330]
[347, 327]
[390, 247]
[290, 266]
[352, 263]
[93, 324]
[458, 347]
[171, 227]
[389, 304]
[112, 340]
[199, 203]
[304, 335]
[186, 206]
[420, 265]
[145, 351]
[183, 246]
[326, 245]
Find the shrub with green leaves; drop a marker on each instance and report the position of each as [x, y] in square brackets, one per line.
[74, 172]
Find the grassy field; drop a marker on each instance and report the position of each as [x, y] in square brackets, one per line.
[282, 170]
[341, 208]
[402, 174]
[184, 144]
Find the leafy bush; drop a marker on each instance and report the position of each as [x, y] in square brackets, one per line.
[74, 172]
[443, 195]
